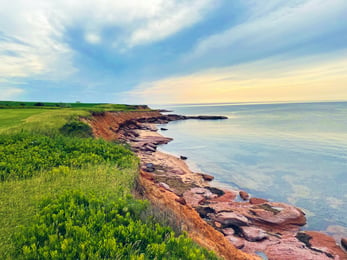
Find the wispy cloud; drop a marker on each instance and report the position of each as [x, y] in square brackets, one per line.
[34, 41]
[279, 26]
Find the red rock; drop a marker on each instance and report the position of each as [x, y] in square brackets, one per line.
[244, 195]
[344, 243]
[253, 234]
[290, 248]
[325, 244]
[236, 241]
[228, 231]
[207, 177]
[257, 201]
[196, 196]
[193, 199]
[231, 218]
[278, 213]
[217, 224]
[221, 206]
[227, 197]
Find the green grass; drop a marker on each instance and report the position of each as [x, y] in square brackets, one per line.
[44, 121]
[20, 199]
[47, 169]
[13, 117]
[76, 105]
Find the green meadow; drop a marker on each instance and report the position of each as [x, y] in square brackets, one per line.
[66, 195]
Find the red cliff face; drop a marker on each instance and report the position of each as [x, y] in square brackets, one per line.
[106, 125]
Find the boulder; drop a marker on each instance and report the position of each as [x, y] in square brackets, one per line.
[207, 177]
[150, 169]
[253, 234]
[280, 214]
[163, 129]
[257, 201]
[323, 243]
[165, 186]
[149, 165]
[193, 199]
[244, 195]
[183, 157]
[228, 231]
[290, 248]
[236, 241]
[228, 196]
[228, 219]
[204, 211]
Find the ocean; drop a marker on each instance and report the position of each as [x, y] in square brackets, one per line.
[292, 153]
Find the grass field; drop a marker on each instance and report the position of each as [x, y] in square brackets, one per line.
[67, 197]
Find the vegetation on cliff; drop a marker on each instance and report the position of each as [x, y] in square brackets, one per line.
[65, 195]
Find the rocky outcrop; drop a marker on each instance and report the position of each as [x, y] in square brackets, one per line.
[197, 228]
[214, 218]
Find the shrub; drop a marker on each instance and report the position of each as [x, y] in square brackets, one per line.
[23, 155]
[77, 129]
[82, 226]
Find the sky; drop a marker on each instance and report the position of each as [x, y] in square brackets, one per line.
[173, 51]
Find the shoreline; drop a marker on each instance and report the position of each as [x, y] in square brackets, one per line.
[254, 225]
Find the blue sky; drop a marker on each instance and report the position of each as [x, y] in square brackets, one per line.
[173, 51]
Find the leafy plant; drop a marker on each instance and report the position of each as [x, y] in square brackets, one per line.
[24, 155]
[77, 129]
[83, 226]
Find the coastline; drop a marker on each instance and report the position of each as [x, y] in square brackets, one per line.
[212, 216]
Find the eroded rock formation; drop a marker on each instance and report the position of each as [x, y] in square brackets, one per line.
[214, 218]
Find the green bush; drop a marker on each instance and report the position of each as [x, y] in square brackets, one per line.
[77, 129]
[83, 226]
[23, 155]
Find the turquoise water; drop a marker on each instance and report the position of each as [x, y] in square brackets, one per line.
[294, 153]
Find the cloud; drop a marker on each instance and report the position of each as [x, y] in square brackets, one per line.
[33, 34]
[92, 38]
[31, 43]
[278, 26]
[8, 93]
[172, 17]
[274, 79]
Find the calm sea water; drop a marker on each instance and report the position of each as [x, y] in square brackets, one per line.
[294, 153]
